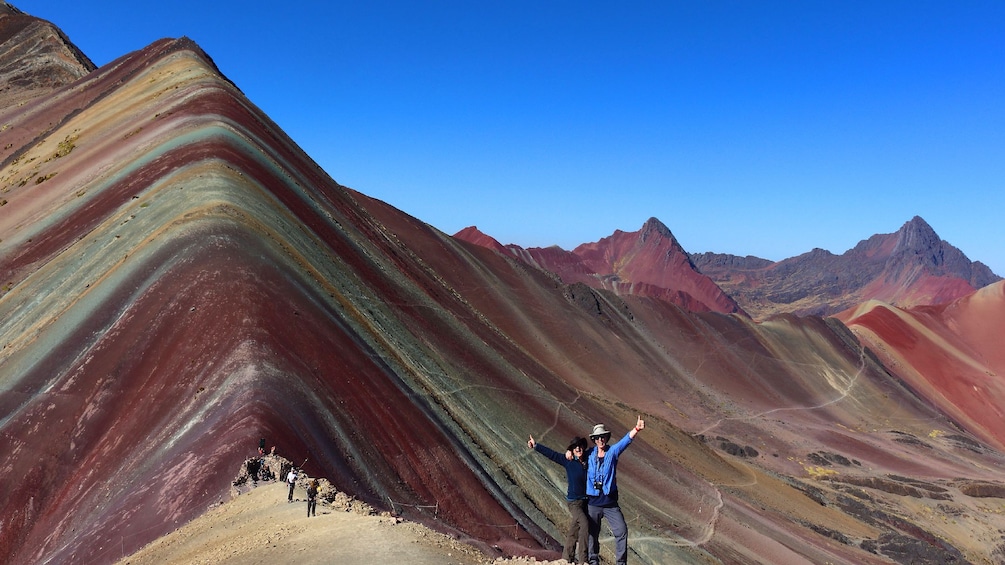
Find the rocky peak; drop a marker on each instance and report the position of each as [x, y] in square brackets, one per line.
[918, 246]
[648, 262]
[35, 57]
[918, 237]
[909, 267]
[655, 228]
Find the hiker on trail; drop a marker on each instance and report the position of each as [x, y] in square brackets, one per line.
[312, 498]
[292, 480]
[602, 488]
[575, 475]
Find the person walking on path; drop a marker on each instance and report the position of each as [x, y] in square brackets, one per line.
[312, 498]
[578, 529]
[292, 480]
[602, 488]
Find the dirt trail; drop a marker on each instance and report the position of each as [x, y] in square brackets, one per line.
[261, 527]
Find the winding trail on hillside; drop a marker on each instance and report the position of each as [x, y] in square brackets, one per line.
[713, 522]
[843, 394]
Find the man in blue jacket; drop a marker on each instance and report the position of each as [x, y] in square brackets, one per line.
[602, 488]
[575, 474]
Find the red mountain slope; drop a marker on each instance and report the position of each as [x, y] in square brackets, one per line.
[950, 354]
[473, 235]
[171, 287]
[179, 280]
[649, 262]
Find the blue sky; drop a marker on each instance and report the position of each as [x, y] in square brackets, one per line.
[760, 128]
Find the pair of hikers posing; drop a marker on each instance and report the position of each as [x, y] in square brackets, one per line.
[592, 495]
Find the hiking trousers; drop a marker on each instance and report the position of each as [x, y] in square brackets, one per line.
[619, 529]
[577, 534]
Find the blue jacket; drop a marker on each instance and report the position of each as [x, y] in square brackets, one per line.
[605, 472]
[575, 473]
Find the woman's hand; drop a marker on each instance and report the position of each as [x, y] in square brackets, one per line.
[531, 443]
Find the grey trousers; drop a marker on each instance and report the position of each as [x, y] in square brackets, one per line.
[619, 529]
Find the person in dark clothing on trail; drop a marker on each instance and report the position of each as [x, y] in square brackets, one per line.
[575, 474]
[312, 498]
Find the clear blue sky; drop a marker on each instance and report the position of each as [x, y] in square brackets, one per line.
[747, 127]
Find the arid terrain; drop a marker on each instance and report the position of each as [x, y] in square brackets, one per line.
[257, 525]
[178, 280]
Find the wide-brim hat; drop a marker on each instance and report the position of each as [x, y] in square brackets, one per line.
[598, 431]
[577, 442]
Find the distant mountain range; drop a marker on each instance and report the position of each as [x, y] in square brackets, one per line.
[910, 267]
[179, 279]
[649, 262]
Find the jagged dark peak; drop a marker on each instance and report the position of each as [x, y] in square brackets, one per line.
[918, 243]
[917, 223]
[917, 235]
[712, 260]
[982, 275]
[654, 226]
[819, 252]
[919, 240]
[655, 231]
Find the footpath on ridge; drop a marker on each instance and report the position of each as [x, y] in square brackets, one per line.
[259, 526]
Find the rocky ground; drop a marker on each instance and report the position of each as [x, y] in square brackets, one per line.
[259, 526]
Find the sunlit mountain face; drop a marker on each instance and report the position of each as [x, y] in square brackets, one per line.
[179, 280]
[911, 267]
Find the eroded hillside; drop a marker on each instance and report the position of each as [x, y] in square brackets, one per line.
[180, 279]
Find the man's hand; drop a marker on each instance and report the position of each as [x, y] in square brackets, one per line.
[638, 427]
[531, 443]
